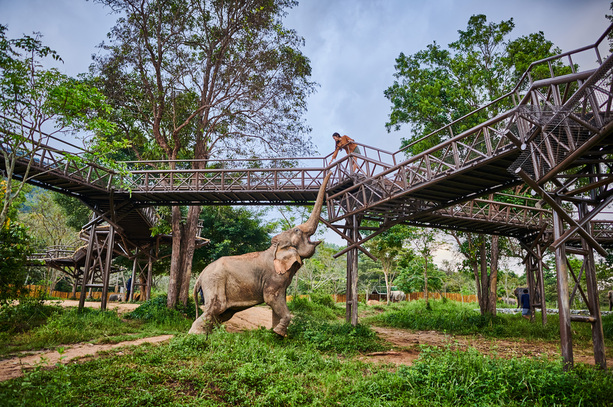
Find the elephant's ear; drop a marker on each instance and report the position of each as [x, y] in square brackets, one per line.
[286, 259]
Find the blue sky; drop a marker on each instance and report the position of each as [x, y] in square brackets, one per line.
[352, 45]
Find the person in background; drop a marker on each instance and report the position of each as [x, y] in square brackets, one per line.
[128, 289]
[525, 304]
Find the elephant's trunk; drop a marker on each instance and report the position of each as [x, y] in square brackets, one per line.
[310, 226]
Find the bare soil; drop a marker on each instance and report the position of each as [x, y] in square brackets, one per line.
[404, 345]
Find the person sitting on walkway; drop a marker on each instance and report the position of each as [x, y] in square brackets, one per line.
[346, 143]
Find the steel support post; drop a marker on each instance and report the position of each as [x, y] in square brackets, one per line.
[354, 273]
[149, 275]
[592, 295]
[566, 341]
[351, 311]
[86, 268]
[541, 284]
[106, 273]
[530, 280]
[134, 267]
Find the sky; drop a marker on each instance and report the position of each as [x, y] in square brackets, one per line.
[352, 46]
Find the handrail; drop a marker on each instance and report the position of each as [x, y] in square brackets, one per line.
[519, 85]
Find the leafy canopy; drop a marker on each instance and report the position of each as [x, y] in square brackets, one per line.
[436, 86]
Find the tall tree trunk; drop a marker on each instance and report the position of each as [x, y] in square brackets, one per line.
[493, 295]
[174, 280]
[426, 279]
[387, 284]
[188, 246]
[484, 277]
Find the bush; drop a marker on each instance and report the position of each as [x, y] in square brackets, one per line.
[155, 312]
[14, 251]
[459, 377]
[28, 314]
[319, 307]
[335, 337]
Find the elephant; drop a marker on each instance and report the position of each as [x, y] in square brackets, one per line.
[610, 296]
[234, 283]
[396, 296]
[518, 293]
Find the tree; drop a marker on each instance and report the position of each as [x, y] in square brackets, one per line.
[194, 79]
[322, 272]
[418, 274]
[47, 225]
[436, 86]
[232, 231]
[425, 244]
[389, 247]
[34, 100]
[14, 249]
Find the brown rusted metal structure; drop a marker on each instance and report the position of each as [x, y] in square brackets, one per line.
[552, 134]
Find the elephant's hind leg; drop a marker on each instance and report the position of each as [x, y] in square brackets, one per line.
[211, 316]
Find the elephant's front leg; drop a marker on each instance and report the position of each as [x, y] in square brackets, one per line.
[280, 315]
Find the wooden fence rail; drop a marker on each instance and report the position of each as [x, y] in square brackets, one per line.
[35, 290]
[412, 297]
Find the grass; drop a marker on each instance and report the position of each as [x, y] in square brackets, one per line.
[257, 368]
[52, 326]
[462, 319]
[315, 365]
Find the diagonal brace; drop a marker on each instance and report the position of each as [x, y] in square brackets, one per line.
[556, 207]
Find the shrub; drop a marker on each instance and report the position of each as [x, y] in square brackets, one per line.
[319, 307]
[155, 312]
[29, 313]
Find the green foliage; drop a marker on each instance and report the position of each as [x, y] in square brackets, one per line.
[14, 251]
[411, 277]
[77, 214]
[333, 336]
[72, 326]
[458, 377]
[232, 231]
[257, 368]
[156, 313]
[28, 314]
[436, 86]
[465, 319]
[321, 307]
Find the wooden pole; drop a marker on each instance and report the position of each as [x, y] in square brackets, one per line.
[106, 273]
[566, 341]
[592, 295]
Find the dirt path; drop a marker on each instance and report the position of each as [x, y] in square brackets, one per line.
[14, 367]
[405, 344]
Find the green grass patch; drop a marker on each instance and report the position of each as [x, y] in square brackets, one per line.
[29, 313]
[257, 368]
[465, 319]
[156, 316]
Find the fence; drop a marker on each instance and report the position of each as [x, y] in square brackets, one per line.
[35, 290]
[411, 297]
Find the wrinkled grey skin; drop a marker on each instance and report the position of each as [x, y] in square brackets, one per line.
[610, 296]
[518, 292]
[233, 283]
[396, 296]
